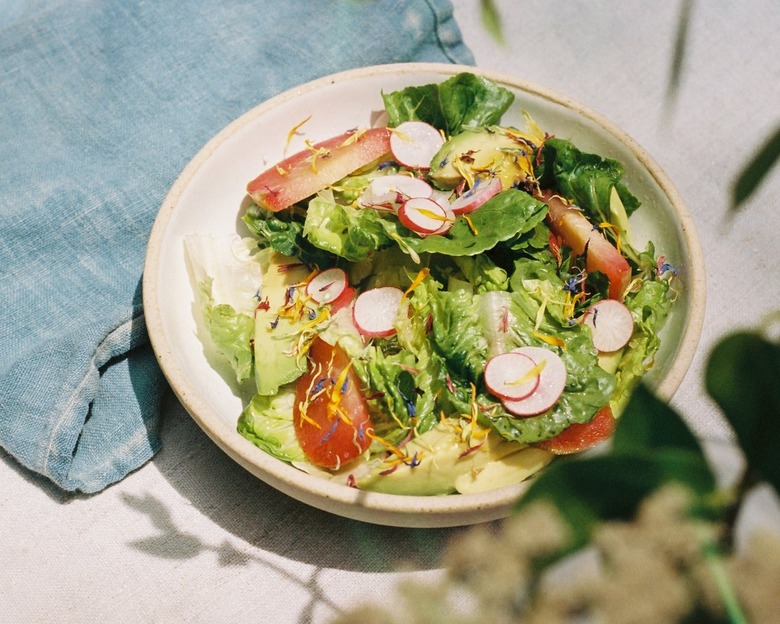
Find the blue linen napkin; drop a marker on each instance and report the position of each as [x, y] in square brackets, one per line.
[102, 103]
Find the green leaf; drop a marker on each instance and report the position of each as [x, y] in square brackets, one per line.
[350, 233]
[267, 422]
[586, 179]
[755, 171]
[743, 377]
[465, 99]
[232, 336]
[612, 487]
[648, 423]
[650, 306]
[283, 232]
[501, 218]
[491, 19]
[680, 46]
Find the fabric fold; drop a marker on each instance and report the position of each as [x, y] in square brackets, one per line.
[103, 104]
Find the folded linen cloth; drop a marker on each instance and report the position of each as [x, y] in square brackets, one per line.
[102, 103]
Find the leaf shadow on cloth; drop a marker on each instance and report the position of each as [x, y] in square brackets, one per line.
[265, 519]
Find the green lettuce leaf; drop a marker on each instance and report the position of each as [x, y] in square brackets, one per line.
[283, 232]
[228, 274]
[649, 306]
[467, 331]
[458, 334]
[505, 216]
[463, 100]
[586, 179]
[267, 422]
[351, 233]
[481, 273]
[542, 286]
[231, 333]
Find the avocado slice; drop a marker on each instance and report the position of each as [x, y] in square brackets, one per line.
[444, 463]
[492, 151]
[508, 470]
[276, 336]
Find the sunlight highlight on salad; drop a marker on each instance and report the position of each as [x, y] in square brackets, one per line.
[437, 305]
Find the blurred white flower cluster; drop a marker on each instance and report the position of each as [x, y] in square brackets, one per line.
[663, 567]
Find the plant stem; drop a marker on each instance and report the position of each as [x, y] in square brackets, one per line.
[714, 561]
[731, 514]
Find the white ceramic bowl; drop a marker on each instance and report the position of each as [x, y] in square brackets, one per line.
[208, 197]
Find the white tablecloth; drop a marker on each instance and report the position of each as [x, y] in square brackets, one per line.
[192, 537]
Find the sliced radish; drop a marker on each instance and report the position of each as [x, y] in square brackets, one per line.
[448, 222]
[398, 183]
[327, 285]
[425, 216]
[343, 300]
[611, 324]
[511, 376]
[388, 192]
[476, 195]
[442, 197]
[552, 381]
[415, 143]
[375, 311]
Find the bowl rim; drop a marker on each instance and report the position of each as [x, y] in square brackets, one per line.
[374, 507]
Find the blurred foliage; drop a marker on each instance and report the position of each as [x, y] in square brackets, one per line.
[755, 170]
[491, 19]
[653, 445]
[680, 46]
[653, 448]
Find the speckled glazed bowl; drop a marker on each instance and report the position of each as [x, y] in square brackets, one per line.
[208, 197]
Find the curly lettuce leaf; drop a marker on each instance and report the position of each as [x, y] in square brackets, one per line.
[351, 233]
[227, 278]
[283, 232]
[458, 334]
[649, 306]
[468, 330]
[267, 422]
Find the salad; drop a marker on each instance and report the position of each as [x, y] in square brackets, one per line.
[436, 304]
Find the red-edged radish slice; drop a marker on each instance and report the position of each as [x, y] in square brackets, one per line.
[388, 192]
[442, 197]
[476, 195]
[448, 222]
[327, 285]
[375, 311]
[511, 376]
[552, 381]
[343, 300]
[611, 324]
[424, 216]
[398, 183]
[415, 143]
